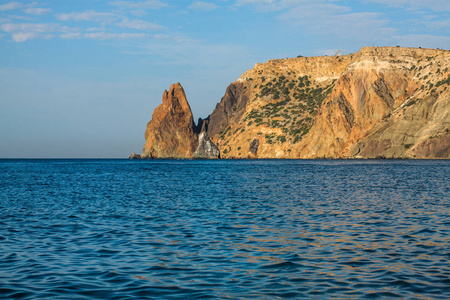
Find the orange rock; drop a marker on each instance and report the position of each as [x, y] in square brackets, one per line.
[388, 102]
[171, 132]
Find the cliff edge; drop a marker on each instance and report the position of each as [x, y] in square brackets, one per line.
[381, 102]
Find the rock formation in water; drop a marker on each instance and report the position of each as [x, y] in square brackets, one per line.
[171, 133]
[381, 102]
[134, 156]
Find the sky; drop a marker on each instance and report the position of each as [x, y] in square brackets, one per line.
[81, 78]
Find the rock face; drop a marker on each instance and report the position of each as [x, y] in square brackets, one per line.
[229, 110]
[418, 132]
[253, 149]
[379, 102]
[171, 133]
[206, 149]
[134, 156]
[381, 107]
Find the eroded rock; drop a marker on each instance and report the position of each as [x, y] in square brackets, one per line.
[171, 133]
[206, 149]
[253, 149]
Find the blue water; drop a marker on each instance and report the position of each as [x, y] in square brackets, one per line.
[262, 229]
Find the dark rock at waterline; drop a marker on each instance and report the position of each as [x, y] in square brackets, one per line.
[134, 156]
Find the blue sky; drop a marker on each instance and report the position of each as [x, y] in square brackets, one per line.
[81, 78]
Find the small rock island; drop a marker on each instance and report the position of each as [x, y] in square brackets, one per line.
[172, 133]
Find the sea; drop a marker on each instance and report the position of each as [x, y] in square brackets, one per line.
[224, 229]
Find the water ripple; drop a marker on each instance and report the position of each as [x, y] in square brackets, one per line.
[224, 229]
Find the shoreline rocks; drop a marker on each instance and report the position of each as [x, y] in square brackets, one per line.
[134, 156]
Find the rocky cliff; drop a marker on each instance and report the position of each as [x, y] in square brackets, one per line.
[172, 133]
[381, 102]
[385, 102]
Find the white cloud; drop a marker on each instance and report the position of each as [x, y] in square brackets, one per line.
[161, 36]
[3, 20]
[140, 25]
[149, 4]
[200, 5]
[11, 6]
[312, 11]
[70, 36]
[66, 29]
[27, 31]
[435, 5]
[139, 12]
[327, 18]
[89, 15]
[90, 29]
[36, 11]
[258, 2]
[115, 36]
[28, 27]
[337, 21]
[24, 36]
[27, 8]
[23, 18]
[444, 24]
[180, 50]
[276, 5]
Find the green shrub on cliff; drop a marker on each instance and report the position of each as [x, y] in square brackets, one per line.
[281, 139]
[444, 81]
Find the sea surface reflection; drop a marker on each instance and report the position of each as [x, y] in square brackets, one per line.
[182, 229]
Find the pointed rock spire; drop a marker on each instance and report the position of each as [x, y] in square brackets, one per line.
[171, 132]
